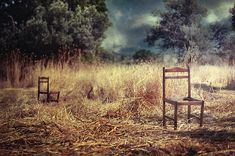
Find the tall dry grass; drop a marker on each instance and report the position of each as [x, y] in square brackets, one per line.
[111, 104]
[115, 90]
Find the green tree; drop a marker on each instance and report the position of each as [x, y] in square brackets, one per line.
[88, 27]
[13, 15]
[47, 30]
[46, 26]
[18, 11]
[168, 33]
[99, 4]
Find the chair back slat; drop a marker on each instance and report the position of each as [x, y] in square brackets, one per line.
[45, 78]
[176, 70]
[42, 80]
[176, 77]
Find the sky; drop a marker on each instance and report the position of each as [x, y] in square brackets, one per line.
[132, 20]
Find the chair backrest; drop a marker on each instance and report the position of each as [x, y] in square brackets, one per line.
[176, 70]
[43, 80]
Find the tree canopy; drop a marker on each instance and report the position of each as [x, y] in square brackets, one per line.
[40, 28]
[232, 11]
[174, 30]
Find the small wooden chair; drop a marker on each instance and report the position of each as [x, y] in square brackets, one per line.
[188, 101]
[49, 94]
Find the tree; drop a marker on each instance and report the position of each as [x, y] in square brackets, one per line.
[144, 56]
[232, 12]
[199, 43]
[228, 49]
[13, 15]
[41, 28]
[223, 35]
[168, 33]
[22, 10]
[88, 27]
[47, 30]
[220, 30]
[18, 10]
[99, 4]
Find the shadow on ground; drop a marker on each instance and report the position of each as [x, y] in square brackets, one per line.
[209, 135]
[206, 87]
[230, 85]
[230, 121]
[210, 88]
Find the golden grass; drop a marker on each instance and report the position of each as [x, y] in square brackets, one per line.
[114, 109]
[116, 90]
[110, 87]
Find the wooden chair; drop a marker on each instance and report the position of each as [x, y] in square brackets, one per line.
[49, 94]
[188, 101]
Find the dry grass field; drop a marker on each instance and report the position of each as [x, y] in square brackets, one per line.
[115, 110]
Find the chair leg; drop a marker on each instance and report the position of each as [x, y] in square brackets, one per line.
[38, 95]
[38, 89]
[175, 116]
[48, 92]
[48, 97]
[58, 96]
[164, 113]
[189, 113]
[201, 115]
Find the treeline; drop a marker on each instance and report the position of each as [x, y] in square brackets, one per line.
[184, 29]
[69, 30]
[52, 29]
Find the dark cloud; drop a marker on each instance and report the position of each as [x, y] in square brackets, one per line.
[140, 5]
[212, 4]
[132, 19]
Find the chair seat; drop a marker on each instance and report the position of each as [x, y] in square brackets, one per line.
[54, 99]
[183, 101]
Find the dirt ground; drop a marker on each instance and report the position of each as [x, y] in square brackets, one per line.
[22, 132]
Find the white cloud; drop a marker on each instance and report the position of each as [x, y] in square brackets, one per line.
[117, 14]
[145, 19]
[220, 12]
[115, 40]
[212, 17]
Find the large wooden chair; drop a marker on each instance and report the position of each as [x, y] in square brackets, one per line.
[176, 102]
[49, 94]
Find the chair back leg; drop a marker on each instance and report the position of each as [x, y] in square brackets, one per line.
[201, 115]
[48, 92]
[175, 116]
[38, 88]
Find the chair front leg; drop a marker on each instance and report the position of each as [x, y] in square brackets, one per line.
[175, 116]
[58, 96]
[189, 113]
[164, 113]
[201, 115]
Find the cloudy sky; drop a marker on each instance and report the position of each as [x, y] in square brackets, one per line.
[132, 19]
